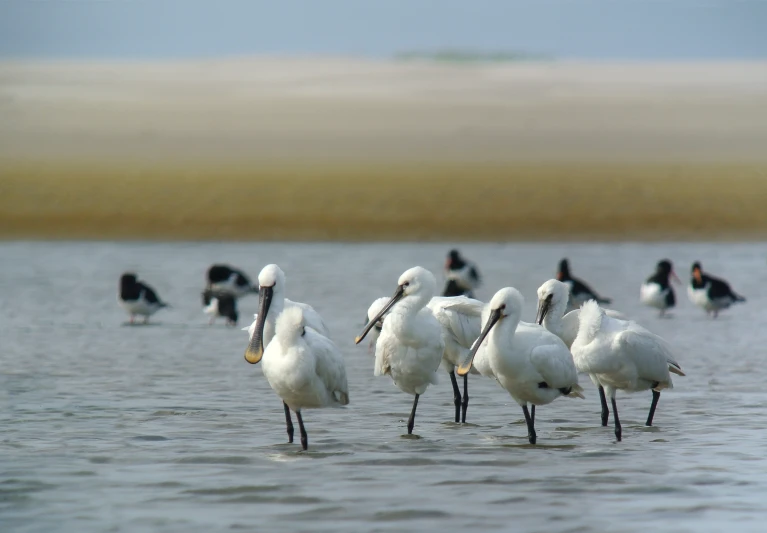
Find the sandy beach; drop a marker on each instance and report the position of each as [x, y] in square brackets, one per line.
[341, 149]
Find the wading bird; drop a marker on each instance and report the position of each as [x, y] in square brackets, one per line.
[138, 298]
[657, 291]
[271, 304]
[532, 364]
[709, 293]
[304, 368]
[220, 304]
[410, 346]
[460, 318]
[229, 280]
[622, 355]
[461, 275]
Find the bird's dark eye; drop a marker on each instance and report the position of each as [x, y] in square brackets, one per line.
[503, 306]
[406, 284]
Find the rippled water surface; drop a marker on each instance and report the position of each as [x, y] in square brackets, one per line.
[165, 428]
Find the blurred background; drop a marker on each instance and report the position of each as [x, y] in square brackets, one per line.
[383, 120]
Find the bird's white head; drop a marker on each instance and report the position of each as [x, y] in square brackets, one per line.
[271, 281]
[418, 281]
[271, 276]
[552, 300]
[375, 308]
[505, 306]
[291, 324]
[415, 287]
[508, 302]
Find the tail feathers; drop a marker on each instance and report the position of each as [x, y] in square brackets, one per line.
[601, 300]
[675, 368]
[254, 288]
[576, 392]
[738, 298]
[163, 304]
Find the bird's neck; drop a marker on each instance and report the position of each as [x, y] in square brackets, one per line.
[503, 332]
[402, 317]
[553, 319]
[411, 305]
[276, 307]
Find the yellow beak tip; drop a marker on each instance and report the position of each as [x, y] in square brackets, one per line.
[357, 340]
[253, 357]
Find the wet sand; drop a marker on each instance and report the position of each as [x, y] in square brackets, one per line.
[300, 149]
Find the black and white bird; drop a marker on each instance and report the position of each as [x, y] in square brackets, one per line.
[225, 279]
[461, 275]
[220, 304]
[579, 291]
[138, 298]
[657, 291]
[710, 293]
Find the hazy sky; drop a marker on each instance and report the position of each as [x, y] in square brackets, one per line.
[631, 29]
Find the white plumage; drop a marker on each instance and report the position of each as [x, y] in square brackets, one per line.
[532, 364]
[553, 297]
[461, 321]
[410, 346]
[272, 302]
[653, 295]
[212, 310]
[303, 367]
[620, 354]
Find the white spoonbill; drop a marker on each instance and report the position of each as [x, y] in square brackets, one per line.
[461, 321]
[552, 302]
[657, 291]
[531, 363]
[623, 355]
[304, 368]
[410, 345]
[271, 303]
[553, 297]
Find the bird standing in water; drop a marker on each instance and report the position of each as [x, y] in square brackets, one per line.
[138, 298]
[410, 346]
[657, 291]
[709, 293]
[461, 275]
[304, 368]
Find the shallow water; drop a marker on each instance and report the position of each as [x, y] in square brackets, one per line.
[166, 428]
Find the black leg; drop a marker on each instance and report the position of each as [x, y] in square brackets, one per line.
[605, 409]
[653, 405]
[530, 425]
[465, 402]
[617, 420]
[532, 414]
[288, 422]
[304, 437]
[411, 420]
[456, 396]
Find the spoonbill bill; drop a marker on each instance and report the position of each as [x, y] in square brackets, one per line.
[410, 345]
[531, 363]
